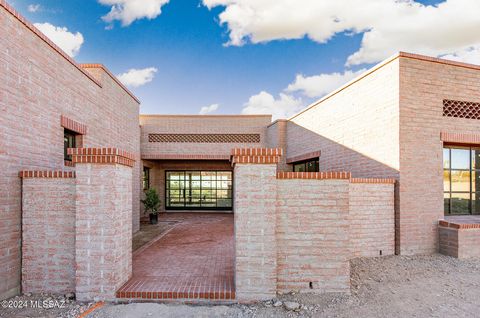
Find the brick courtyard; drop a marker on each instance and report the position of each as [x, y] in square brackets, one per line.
[193, 260]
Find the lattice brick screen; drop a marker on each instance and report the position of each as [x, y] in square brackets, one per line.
[205, 138]
[461, 109]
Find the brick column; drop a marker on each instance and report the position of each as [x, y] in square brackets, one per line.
[254, 210]
[103, 221]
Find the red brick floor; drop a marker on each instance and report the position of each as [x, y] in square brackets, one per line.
[194, 260]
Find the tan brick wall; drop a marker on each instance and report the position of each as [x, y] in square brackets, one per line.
[312, 234]
[255, 240]
[277, 138]
[48, 249]
[37, 86]
[372, 219]
[103, 223]
[355, 128]
[423, 86]
[194, 124]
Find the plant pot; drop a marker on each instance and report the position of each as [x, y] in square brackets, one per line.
[153, 218]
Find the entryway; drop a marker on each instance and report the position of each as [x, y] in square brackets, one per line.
[193, 260]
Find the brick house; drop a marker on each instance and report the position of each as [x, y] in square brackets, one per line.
[385, 164]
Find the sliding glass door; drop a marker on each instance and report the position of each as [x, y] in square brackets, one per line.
[198, 190]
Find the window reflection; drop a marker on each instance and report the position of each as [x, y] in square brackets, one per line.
[461, 183]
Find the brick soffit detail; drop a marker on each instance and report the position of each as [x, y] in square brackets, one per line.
[73, 125]
[462, 138]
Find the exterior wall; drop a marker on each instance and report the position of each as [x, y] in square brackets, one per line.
[39, 83]
[48, 248]
[372, 219]
[192, 124]
[103, 221]
[424, 83]
[158, 168]
[255, 241]
[459, 242]
[356, 128]
[277, 138]
[298, 231]
[313, 245]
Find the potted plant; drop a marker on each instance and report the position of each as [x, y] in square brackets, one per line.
[151, 204]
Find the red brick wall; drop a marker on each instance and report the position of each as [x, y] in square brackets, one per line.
[372, 219]
[37, 86]
[205, 124]
[313, 235]
[48, 248]
[423, 86]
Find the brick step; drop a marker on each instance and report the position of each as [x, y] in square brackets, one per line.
[177, 295]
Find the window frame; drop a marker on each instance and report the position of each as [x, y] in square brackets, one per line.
[471, 170]
[69, 141]
[316, 162]
[146, 178]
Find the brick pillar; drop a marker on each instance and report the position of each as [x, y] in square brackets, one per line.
[103, 221]
[254, 211]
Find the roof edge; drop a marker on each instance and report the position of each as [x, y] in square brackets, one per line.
[382, 64]
[43, 37]
[205, 116]
[106, 70]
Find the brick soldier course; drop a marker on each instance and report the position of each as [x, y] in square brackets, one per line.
[375, 184]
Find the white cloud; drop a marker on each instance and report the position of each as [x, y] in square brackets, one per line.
[67, 41]
[388, 26]
[208, 109]
[264, 103]
[137, 77]
[467, 55]
[320, 85]
[33, 8]
[128, 11]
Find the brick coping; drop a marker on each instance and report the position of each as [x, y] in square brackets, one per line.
[46, 174]
[102, 156]
[113, 77]
[458, 225]
[380, 65]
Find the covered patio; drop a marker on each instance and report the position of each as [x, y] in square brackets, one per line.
[192, 259]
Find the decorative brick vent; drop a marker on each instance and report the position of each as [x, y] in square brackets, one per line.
[205, 138]
[461, 109]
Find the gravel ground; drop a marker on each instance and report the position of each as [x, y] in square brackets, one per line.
[394, 286]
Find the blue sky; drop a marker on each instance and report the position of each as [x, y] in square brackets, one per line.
[186, 45]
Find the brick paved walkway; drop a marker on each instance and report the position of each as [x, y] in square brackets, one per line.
[193, 260]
